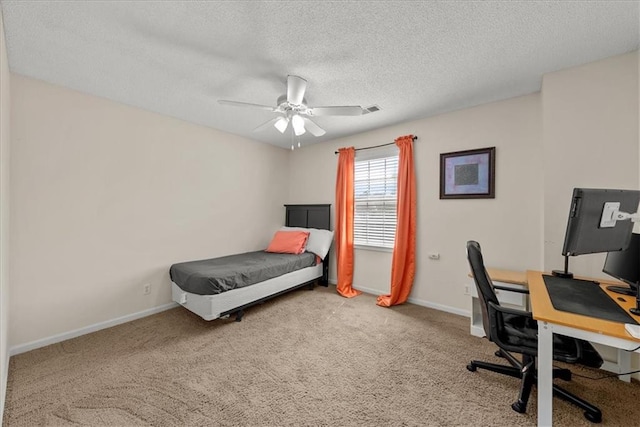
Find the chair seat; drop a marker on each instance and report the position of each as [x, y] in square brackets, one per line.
[523, 332]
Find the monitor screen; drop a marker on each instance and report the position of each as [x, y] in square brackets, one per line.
[625, 265]
[584, 234]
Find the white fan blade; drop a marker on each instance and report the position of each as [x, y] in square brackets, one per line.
[245, 104]
[353, 110]
[313, 128]
[296, 86]
[266, 125]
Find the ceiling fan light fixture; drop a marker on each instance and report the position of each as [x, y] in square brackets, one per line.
[298, 125]
[281, 124]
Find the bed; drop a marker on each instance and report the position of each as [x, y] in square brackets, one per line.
[224, 299]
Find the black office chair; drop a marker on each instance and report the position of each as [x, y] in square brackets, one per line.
[516, 331]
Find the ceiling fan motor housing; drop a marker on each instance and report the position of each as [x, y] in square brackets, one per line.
[286, 105]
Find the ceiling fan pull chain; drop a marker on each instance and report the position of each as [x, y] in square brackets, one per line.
[291, 138]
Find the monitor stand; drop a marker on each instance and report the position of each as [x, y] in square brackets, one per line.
[636, 310]
[622, 290]
[566, 274]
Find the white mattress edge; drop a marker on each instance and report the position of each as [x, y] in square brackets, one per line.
[209, 307]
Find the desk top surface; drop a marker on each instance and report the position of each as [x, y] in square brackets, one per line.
[543, 309]
[506, 276]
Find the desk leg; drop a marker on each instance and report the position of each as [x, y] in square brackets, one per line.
[624, 364]
[545, 374]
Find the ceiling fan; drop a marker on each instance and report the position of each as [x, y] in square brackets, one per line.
[292, 108]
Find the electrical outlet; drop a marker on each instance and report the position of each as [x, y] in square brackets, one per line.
[466, 289]
[146, 288]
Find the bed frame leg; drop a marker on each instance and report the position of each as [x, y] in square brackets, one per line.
[239, 315]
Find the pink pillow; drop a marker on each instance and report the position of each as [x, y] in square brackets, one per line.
[288, 242]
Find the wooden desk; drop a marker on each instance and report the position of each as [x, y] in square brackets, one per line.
[552, 321]
[507, 276]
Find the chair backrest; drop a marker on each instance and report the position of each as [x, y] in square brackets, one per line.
[483, 283]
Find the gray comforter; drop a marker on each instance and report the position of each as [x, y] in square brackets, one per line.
[217, 275]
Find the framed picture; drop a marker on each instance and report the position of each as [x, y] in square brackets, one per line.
[468, 174]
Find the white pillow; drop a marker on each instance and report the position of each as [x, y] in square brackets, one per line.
[319, 241]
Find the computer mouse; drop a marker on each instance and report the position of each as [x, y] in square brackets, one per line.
[622, 299]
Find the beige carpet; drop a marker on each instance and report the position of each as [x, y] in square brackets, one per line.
[306, 358]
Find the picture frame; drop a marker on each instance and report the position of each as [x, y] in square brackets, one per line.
[468, 174]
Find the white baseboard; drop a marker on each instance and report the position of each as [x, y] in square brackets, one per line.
[23, 348]
[367, 290]
[445, 308]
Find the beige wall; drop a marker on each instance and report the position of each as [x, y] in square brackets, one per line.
[590, 134]
[508, 227]
[105, 197]
[4, 214]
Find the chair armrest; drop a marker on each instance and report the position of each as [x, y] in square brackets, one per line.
[508, 310]
[504, 288]
[523, 340]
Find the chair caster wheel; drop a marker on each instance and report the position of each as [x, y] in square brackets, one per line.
[519, 407]
[498, 353]
[594, 417]
[471, 367]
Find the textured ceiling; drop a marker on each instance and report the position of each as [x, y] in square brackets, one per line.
[413, 59]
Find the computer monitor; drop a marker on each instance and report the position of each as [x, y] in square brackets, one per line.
[594, 226]
[584, 233]
[625, 266]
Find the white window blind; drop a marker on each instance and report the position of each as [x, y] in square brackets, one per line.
[375, 184]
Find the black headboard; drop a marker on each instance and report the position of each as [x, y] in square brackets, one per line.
[308, 216]
[311, 216]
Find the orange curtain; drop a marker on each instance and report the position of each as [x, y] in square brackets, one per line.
[344, 222]
[403, 266]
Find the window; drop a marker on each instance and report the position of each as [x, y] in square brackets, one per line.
[375, 184]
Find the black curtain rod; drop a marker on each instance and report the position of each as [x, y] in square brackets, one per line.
[377, 146]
